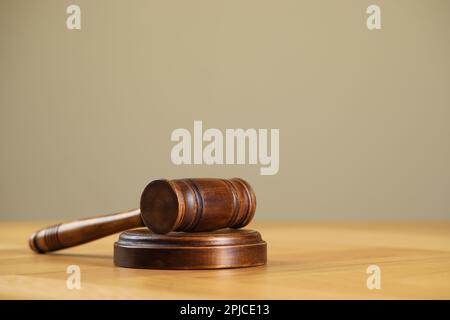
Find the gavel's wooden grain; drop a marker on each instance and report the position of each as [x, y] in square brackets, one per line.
[305, 261]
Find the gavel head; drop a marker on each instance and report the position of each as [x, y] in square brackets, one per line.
[197, 204]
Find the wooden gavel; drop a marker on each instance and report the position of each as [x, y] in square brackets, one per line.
[188, 205]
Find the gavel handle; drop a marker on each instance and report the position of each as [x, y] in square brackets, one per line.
[73, 233]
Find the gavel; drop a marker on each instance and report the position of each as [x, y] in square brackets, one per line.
[189, 205]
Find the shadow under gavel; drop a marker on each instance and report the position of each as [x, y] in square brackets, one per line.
[190, 205]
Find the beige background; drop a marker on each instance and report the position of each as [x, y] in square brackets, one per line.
[364, 116]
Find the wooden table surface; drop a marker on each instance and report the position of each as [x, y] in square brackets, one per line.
[305, 261]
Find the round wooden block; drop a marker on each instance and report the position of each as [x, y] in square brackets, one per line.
[226, 248]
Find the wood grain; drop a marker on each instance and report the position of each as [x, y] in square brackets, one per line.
[305, 261]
